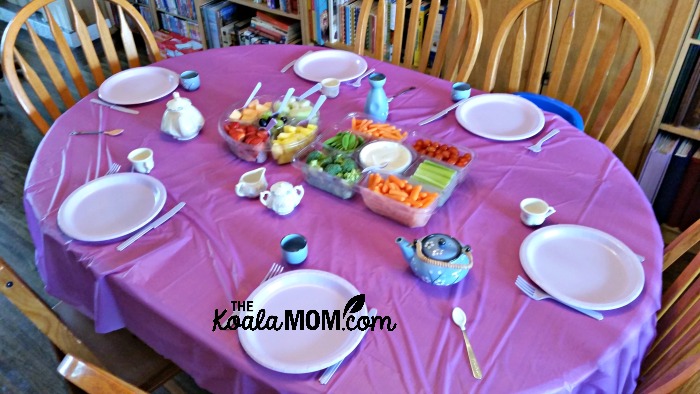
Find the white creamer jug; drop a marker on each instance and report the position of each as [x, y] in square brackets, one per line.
[181, 119]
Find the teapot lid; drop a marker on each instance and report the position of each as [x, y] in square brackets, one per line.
[178, 103]
[440, 247]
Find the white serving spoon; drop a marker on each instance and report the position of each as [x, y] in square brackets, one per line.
[311, 91]
[285, 100]
[252, 94]
[314, 110]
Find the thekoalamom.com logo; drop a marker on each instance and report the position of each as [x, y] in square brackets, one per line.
[300, 319]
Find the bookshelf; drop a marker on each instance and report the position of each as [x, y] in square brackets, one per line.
[667, 118]
[302, 15]
[184, 17]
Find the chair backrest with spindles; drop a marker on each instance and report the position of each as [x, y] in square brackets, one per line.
[595, 35]
[673, 360]
[460, 36]
[54, 86]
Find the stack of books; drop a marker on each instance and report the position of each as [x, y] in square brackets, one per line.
[268, 29]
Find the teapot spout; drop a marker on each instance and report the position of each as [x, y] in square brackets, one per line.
[407, 248]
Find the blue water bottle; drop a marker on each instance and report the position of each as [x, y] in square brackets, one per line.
[377, 105]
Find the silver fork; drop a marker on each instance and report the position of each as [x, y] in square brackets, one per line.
[275, 270]
[537, 295]
[113, 169]
[356, 83]
[537, 148]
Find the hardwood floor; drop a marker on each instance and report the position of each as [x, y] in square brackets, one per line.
[27, 361]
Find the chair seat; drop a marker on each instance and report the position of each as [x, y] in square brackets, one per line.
[569, 113]
[120, 352]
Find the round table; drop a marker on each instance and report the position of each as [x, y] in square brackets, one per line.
[166, 286]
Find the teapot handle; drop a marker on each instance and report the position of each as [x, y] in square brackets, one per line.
[300, 191]
[263, 197]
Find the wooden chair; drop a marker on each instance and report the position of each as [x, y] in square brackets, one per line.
[672, 363]
[92, 379]
[578, 62]
[463, 23]
[71, 332]
[54, 86]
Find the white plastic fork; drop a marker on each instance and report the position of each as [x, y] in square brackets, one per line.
[537, 295]
[356, 83]
[537, 148]
[113, 169]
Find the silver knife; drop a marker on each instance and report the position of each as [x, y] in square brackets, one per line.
[114, 107]
[288, 66]
[443, 112]
[151, 226]
[328, 373]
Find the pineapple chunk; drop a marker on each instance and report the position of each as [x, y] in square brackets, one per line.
[235, 115]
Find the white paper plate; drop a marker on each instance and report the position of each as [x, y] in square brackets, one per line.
[331, 63]
[582, 266]
[138, 85]
[111, 206]
[301, 351]
[502, 117]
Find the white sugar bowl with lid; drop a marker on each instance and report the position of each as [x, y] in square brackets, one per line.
[181, 119]
[282, 198]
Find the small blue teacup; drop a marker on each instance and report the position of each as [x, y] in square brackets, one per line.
[460, 91]
[294, 248]
[189, 80]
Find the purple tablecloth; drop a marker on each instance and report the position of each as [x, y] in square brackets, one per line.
[166, 286]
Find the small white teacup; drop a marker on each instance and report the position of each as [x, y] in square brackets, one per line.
[533, 211]
[142, 160]
[252, 183]
[330, 87]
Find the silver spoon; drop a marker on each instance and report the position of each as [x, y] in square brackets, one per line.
[113, 133]
[400, 93]
[460, 319]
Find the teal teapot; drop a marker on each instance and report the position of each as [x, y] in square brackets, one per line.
[437, 258]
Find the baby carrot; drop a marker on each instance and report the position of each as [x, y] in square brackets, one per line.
[429, 200]
[414, 193]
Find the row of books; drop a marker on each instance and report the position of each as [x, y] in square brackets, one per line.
[215, 16]
[335, 21]
[670, 179]
[147, 15]
[290, 6]
[183, 27]
[250, 36]
[683, 108]
[184, 8]
[277, 29]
